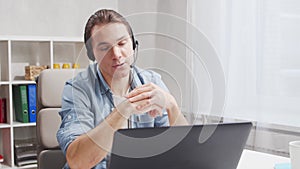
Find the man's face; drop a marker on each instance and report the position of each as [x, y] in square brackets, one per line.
[112, 47]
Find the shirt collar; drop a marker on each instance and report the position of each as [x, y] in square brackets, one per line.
[136, 78]
[135, 82]
[103, 85]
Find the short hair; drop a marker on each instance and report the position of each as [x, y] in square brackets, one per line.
[103, 16]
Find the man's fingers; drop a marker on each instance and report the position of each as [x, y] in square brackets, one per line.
[140, 89]
[150, 107]
[141, 105]
[141, 96]
[154, 113]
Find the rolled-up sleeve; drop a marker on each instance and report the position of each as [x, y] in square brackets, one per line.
[75, 114]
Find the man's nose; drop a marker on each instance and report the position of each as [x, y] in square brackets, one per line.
[116, 52]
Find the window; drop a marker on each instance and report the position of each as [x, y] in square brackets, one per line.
[258, 45]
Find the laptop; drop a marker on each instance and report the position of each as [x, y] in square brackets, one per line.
[213, 146]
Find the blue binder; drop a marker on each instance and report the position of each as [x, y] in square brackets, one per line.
[31, 89]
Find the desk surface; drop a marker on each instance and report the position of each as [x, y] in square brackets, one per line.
[257, 160]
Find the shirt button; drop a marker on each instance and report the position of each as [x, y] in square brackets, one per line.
[69, 117]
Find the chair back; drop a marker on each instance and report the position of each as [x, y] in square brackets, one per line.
[49, 92]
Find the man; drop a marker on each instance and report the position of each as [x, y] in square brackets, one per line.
[90, 114]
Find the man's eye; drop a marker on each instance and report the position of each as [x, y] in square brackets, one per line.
[104, 48]
[123, 42]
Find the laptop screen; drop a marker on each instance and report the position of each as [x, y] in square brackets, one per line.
[213, 146]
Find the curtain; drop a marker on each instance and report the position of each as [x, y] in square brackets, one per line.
[257, 42]
[258, 45]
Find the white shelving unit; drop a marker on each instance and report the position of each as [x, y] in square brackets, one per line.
[15, 54]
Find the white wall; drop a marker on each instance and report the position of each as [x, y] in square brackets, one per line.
[156, 24]
[172, 59]
[48, 18]
[140, 15]
[68, 17]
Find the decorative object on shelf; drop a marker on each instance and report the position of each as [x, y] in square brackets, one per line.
[2, 110]
[25, 151]
[66, 66]
[32, 72]
[1, 160]
[75, 66]
[56, 66]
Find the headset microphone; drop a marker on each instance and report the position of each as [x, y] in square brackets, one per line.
[133, 68]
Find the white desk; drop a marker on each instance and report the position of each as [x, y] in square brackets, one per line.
[256, 160]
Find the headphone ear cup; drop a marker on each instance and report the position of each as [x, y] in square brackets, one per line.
[90, 55]
[133, 42]
[133, 45]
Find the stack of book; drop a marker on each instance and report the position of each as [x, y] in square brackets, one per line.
[24, 99]
[25, 152]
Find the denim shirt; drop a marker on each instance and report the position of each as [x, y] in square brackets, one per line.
[87, 100]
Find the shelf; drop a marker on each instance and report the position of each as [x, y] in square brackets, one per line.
[65, 52]
[23, 82]
[19, 124]
[29, 166]
[26, 166]
[4, 125]
[16, 52]
[40, 38]
[4, 166]
[32, 166]
[4, 83]
[25, 53]
[4, 75]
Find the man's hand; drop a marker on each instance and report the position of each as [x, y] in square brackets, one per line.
[154, 99]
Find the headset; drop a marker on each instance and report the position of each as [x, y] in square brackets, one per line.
[135, 45]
